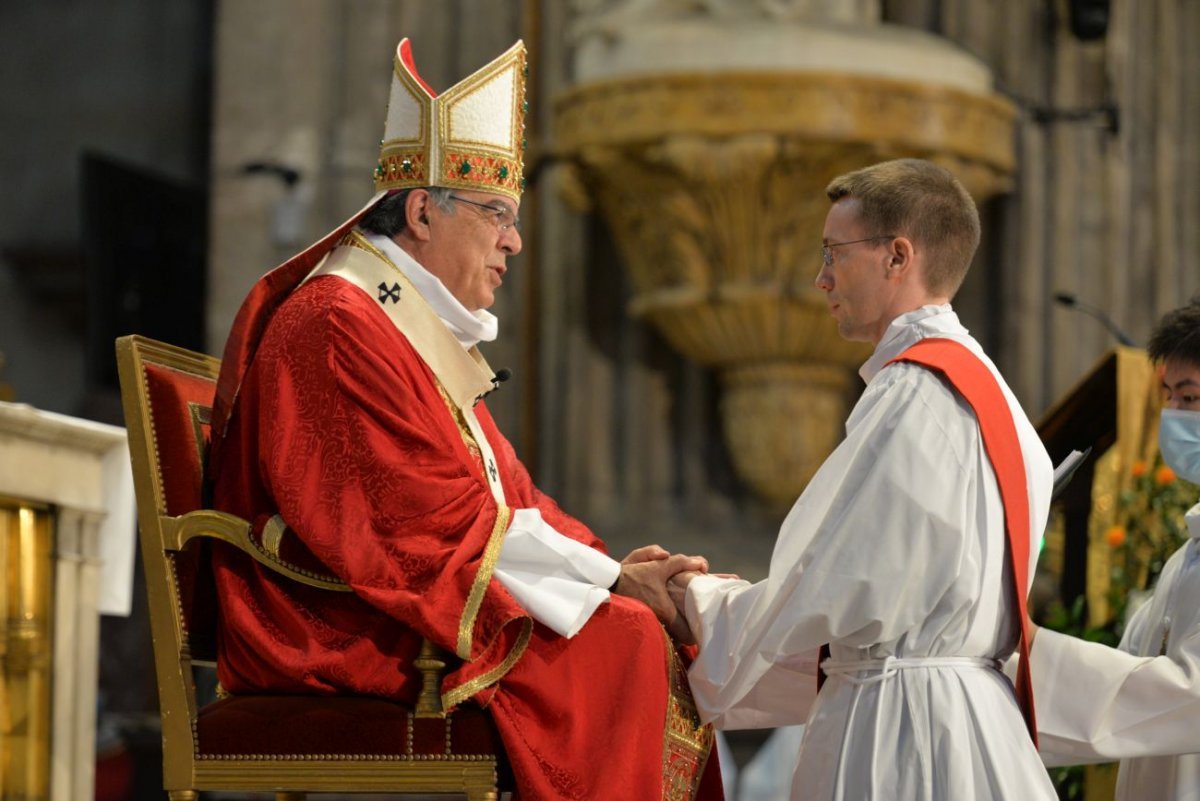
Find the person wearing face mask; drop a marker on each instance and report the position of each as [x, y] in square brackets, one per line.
[1140, 703]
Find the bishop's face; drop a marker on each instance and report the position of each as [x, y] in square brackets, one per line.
[854, 275]
[470, 244]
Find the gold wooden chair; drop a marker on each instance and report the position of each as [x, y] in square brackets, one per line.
[289, 745]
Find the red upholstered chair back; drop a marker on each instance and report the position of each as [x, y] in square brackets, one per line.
[171, 391]
[180, 410]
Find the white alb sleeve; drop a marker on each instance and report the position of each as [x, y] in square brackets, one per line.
[557, 580]
[1101, 703]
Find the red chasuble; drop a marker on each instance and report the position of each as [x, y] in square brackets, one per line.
[342, 430]
[972, 379]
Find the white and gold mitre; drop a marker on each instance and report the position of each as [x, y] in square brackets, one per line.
[472, 136]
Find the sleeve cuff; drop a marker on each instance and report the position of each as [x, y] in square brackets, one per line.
[559, 581]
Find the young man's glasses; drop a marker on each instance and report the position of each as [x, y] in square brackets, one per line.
[505, 218]
[827, 253]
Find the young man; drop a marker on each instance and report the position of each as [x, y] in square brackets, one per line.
[1141, 704]
[897, 554]
[350, 428]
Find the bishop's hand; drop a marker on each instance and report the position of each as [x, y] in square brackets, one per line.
[647, 582]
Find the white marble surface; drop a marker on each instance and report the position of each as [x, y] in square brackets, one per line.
[80, 465]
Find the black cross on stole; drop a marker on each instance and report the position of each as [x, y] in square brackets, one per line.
[387, 293]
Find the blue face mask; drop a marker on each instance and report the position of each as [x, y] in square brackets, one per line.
[1179, 443]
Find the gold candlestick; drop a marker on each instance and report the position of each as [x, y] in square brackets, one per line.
[26, 535]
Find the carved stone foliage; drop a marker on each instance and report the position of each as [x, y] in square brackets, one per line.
[722, 241]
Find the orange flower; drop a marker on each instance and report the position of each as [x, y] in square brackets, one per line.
[1164, 475]
[1115, 536]
[1139, 469]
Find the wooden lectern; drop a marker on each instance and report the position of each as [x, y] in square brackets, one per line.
[1113, 410]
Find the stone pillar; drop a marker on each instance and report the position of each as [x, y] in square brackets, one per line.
[76, 653]
[67, 559]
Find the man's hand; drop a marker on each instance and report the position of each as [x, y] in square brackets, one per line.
[647, 580]
[647, 553]
[677, 592]
[677, 588]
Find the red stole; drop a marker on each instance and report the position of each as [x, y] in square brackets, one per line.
[972, 379]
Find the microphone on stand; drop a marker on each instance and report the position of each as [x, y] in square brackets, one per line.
[1071, 302]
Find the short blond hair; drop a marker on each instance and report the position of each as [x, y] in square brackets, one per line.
[924, 202]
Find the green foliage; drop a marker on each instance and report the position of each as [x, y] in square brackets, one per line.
[1071, 620]
[1152, 510]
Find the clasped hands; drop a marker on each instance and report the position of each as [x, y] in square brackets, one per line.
[659, 579]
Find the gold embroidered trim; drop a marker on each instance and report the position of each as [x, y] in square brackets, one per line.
[272, 535]
[269, 545]
[400, 165]
[482, 578]
[687, 742]
[460, 420]
[355, 239]
[465, 691]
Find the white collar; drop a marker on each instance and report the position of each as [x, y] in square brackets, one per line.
[1192, 518]
[469, 328]
[910, 328]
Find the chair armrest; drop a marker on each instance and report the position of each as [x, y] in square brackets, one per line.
[178, 531]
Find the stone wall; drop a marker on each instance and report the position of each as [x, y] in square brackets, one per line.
[127, 80]
[613, 423]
